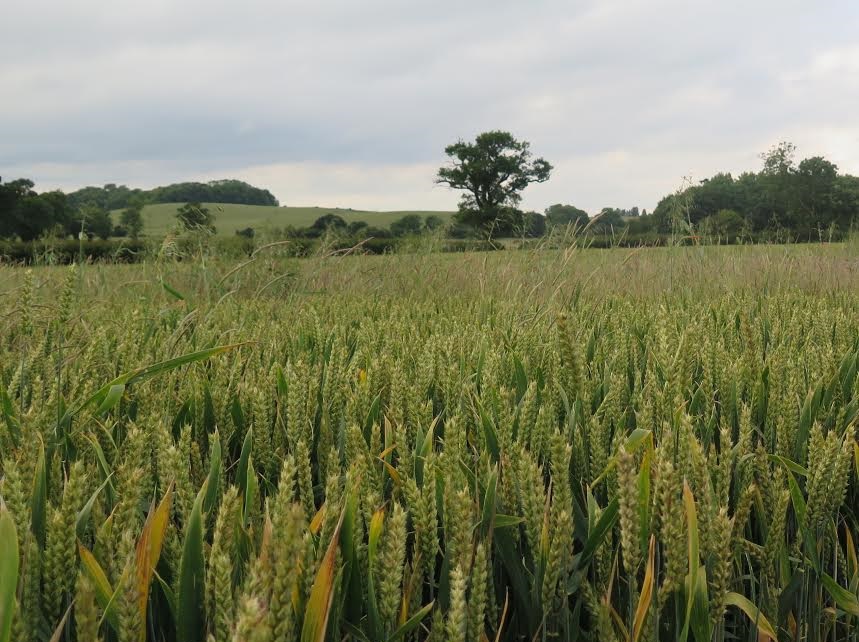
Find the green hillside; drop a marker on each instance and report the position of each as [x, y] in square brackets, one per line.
[159, 218]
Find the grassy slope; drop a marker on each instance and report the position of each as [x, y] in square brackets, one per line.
[157, 219]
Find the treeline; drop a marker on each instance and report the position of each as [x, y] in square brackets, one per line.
[28, 215]
[784, 201]
[65, 251]
[407, 225]
[114, 197]
[801, 201]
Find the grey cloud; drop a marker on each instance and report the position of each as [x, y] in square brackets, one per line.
[202, 87]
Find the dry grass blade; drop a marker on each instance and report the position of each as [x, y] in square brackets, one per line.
[149, 550]
[322, 592]
[61, 627]
[646, 592]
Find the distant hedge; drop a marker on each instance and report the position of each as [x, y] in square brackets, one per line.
[130, 251]
[69, 251]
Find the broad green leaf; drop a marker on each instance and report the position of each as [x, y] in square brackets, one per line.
[208, 410]
[856, 458]
[190, 625]
[790, 465]
[489, 503]
[372, 416]
[353, 595]
[797, 499]
[422, 450]
[506, 521]
[104, 593]
[800, 509]
[520, 378]
[213, 482]
[39, 500]
[521, 590]
[355, 632]
[852, 561]
[489, 432]
[106, 472]
[172, 291]
[8, 409]
[252, 493]
[377, 525]
[847, 373]
[846, 601]
[412, 623]
[141, 374]
[237, 415]
[753, 613]
[114, 394]
[701, 624]
[84, 513]
[169, 595]
[692, 530]
[644, 498]
[603, 526]
[242, 469]
[633, 441]
[8, 573]
[806, 418]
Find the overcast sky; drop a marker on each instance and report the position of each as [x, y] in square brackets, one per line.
[351, 103]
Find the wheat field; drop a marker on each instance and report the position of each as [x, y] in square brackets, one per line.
[567, 444]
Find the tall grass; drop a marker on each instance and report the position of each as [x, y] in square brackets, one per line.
[551, 444]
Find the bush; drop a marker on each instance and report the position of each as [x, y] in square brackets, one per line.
[407, 225]
[70, 251]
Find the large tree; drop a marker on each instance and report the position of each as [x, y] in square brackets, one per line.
[408, 225]
[29, 215]
[96, 221]
[493, 171]
[609, 219]
[560, 214]
[131, 218]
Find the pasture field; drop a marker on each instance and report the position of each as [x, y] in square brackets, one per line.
[160, 217]
[627, 445]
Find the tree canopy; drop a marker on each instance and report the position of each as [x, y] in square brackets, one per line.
[493, 171]
[785, 199]
[131, 219]
[608, 220]
[114, 197]
[28, 215]
[802, 200]
[433, 222]
[559, 214]
[407, 225]
[193, 216]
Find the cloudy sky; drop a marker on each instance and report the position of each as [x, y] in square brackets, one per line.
[350, 103]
